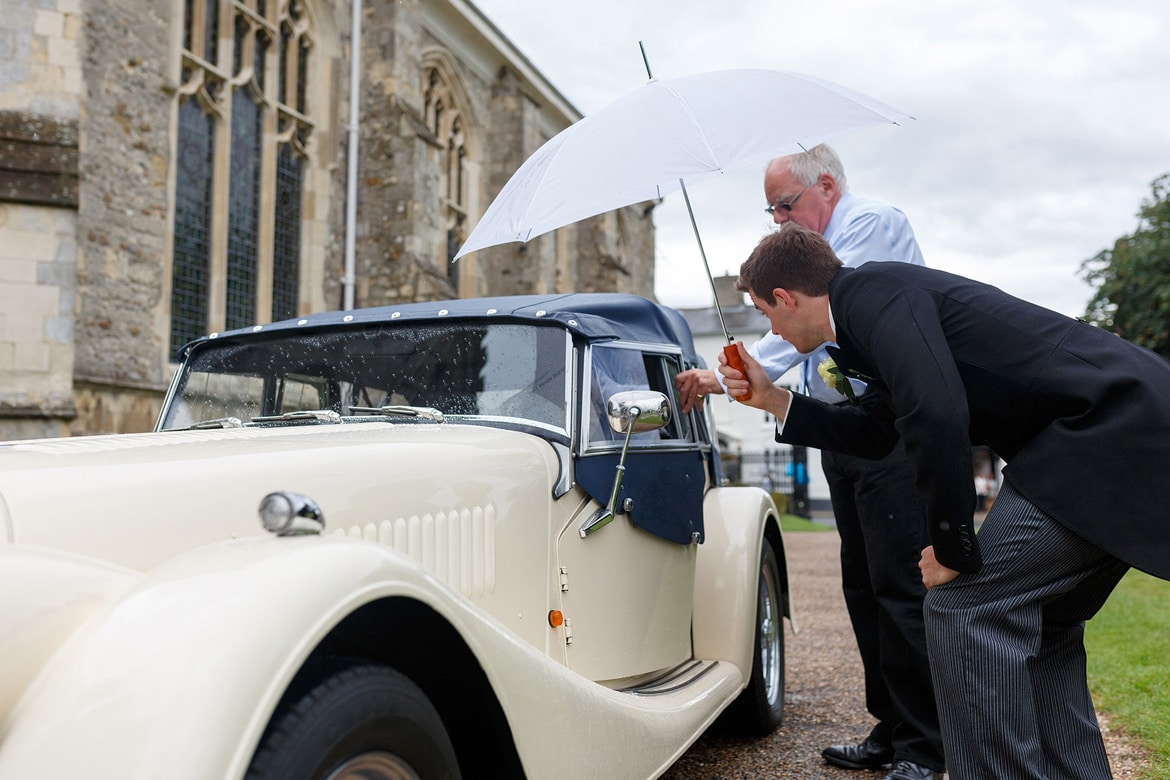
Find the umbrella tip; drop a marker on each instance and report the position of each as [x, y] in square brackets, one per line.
[645, 61]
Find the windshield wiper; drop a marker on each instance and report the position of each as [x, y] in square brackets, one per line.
[425, 412]
[218, 422]
[321, 415]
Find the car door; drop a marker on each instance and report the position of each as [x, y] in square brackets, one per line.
[627, 586]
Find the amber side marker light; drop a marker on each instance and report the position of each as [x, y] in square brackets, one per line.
[555, 618]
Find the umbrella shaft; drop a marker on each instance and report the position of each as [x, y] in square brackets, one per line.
[706, 267]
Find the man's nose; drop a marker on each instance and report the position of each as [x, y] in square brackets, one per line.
[780, 216]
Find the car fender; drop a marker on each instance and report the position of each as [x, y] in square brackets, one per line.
[44, 596]
[737, 522]
[178, 677]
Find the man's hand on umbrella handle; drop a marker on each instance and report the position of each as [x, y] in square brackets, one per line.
[734, 379]
[933, 572]
[763, 394]
[693, 386]
[753, 380]
[733, 360]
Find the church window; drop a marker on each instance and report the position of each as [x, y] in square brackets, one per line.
[243, 145]
[446, 123]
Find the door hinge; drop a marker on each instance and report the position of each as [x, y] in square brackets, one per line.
[564, 579]
[568, 631]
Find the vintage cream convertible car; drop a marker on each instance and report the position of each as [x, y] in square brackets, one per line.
[487, 546]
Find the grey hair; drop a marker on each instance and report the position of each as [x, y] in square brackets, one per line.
[808, 167]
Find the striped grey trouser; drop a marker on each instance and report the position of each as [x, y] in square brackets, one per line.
[1007, 655]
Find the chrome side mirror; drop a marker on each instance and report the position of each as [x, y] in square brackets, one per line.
[629, 412]
[637, 411]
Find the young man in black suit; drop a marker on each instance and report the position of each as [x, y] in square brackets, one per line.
[1083, 421]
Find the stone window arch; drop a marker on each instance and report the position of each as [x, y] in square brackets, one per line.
[245, 136]
[447, 116]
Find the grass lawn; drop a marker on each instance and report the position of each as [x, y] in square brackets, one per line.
[1128, 644]
[795, 523]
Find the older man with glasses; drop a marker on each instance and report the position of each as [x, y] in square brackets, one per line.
[878, 513]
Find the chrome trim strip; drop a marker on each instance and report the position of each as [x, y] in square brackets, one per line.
[674, 680]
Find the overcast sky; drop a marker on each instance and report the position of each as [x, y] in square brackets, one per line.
[1038, 126]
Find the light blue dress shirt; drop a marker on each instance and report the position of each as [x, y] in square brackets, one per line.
[860, 231]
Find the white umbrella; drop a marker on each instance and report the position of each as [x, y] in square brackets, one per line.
[667, 133]
[647, 143]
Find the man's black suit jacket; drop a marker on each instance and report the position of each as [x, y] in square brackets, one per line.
[1080, 416]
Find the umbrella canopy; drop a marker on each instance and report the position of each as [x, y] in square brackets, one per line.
[647, 143]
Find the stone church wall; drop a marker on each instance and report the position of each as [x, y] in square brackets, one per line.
[123, 218]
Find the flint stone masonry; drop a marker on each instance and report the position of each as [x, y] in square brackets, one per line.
[123, 221]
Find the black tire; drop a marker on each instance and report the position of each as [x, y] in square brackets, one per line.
[759, 709]
[361, 721]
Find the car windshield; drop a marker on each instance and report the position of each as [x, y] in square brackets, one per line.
[499, 370]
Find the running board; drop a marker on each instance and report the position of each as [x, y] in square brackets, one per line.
[673, 680]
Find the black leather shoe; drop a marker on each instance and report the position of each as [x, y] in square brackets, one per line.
[868, 754]
[908, 770]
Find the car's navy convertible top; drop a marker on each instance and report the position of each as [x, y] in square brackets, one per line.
[599, 316]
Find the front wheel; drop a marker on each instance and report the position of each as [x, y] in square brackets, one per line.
[362, 722]
[759, 709]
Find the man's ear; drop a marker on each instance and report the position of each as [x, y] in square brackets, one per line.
[784, 297]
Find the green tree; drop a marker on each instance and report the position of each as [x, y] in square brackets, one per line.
[1132, 280]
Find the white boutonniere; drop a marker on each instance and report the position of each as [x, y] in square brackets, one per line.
[835, 378]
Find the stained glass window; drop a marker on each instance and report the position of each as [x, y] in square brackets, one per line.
[286, 265]
[242, 150]
[243, 211]
[192, 224]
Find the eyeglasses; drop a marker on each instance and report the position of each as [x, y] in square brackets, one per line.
[788, 204]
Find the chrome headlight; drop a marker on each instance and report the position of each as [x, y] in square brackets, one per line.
[290, 514]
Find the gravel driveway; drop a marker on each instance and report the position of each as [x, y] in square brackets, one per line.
[825, 692]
